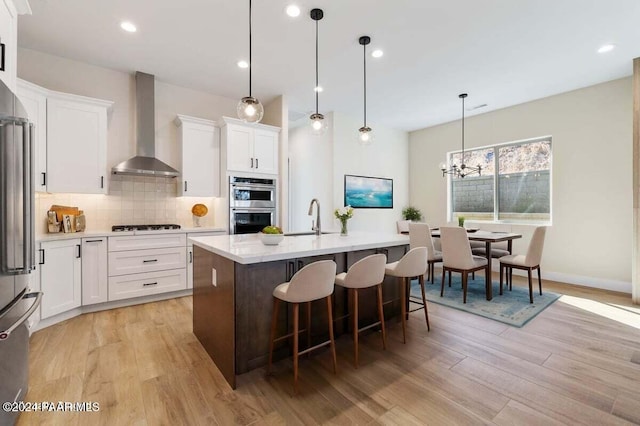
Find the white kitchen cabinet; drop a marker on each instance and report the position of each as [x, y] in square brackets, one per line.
[199, 145]
[95, 281]
[34, 100]
[250, 148]
[8, 38]
[76, 144]
[60, 276]
[190, 252]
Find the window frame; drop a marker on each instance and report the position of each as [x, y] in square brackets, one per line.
[496, 182]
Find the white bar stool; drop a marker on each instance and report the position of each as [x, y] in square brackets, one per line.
[314, 281]
[412, 264]
[365, 273]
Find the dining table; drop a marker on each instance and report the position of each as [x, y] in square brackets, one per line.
[488, 237]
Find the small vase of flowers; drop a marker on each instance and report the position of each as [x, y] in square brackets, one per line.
[343, 214]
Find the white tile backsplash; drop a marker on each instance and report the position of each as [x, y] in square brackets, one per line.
[131, 200]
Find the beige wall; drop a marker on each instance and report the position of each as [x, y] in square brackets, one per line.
[64, 75]
[589, 242]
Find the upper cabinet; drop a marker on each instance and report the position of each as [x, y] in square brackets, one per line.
[199, 146]
[34, 100]
[8, 43]
[76, 144]
[250, 148]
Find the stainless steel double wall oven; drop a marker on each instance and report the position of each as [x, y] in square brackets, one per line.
[252, 204]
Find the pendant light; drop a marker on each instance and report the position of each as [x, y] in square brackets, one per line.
[318, 124]
[249, 108]
[365, 133]
[462, 170]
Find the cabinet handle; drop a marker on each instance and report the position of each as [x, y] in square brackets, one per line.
[148, 284]
[41, 262]
[150, 261]
[101, 181]
[190, 257]
[252, 162]
[300, 265]
[2, 56]
[44, 178]
[257, 163]
[93, 241]
[290, 266]
[185, 186]
[79, 251]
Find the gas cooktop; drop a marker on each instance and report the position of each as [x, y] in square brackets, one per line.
[122, 228]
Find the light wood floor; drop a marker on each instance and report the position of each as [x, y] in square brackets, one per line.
[144, 366]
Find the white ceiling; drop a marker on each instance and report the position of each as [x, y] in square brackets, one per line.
[501, 52]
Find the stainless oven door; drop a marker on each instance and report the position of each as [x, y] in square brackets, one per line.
[250, 221]
[252, 196]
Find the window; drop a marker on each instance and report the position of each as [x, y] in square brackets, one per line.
[515, 184]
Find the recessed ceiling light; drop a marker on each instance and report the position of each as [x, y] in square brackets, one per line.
[243, 64]
[293, 10]
[318, 89]
[377, 53]
[128, 27]
[606, 48]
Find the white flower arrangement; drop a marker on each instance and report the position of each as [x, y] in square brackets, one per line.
[343, 213]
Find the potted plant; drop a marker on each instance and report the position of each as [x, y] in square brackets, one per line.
[412, 214]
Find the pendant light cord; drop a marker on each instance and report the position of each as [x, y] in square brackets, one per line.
[250, 61]
[463, 130]
[317, 83]
[364, 57]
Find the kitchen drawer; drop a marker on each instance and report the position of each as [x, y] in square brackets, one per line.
[128, 286]
[141, 242]
[138, 261]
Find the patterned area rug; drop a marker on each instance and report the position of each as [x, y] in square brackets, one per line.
[511, 308]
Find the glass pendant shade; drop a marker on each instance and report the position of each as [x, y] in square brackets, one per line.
[365, 136]
[250, 110]
[318, 124]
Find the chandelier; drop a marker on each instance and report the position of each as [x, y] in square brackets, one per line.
[462, 170]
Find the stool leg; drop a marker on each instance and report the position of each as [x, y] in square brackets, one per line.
[355, 326]
[403, 297]
[296, 312]
[381, 316]
[308, 327]
[333, 342]
[424, 302]
[274, 323]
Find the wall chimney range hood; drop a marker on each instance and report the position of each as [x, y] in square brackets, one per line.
[145, 163]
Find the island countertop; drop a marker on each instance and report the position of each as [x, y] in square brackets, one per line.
[248, 248]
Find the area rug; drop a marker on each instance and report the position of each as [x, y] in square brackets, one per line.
[511, 308]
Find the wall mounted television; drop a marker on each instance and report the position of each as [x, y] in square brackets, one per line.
[365, 192]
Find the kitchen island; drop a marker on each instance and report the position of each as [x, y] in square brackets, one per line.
[234, 278]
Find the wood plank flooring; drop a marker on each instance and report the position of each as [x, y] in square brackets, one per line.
[144, 366]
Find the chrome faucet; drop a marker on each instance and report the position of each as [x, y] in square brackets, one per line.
[315, 227]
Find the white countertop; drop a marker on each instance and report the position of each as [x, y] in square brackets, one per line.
[109, 233]
[248, 248]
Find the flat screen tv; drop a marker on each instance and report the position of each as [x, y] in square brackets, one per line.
[363, 192]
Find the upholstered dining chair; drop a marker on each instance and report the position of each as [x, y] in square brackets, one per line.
[527, 262]
[365, 273]
[314, 281]
[420, 236]
[412, 264]
[403, 226]
[457, 257]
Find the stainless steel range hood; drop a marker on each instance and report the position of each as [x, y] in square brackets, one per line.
[145, 163]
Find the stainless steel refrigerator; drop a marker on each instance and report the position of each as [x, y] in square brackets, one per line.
[17, 249]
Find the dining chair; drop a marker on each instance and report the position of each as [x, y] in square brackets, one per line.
[527, 262]
[412, 264]
[314, 281]
[365, 273]
[420, 236]
[403, 226]
[457, 257]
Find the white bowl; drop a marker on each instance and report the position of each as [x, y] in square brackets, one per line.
[271, 239]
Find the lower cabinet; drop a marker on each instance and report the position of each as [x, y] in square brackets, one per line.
[145, 284]
[60, 276]
[94, 271]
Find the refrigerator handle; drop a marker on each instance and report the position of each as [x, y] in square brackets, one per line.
[32, 201]
[27, 244]
[4, 241]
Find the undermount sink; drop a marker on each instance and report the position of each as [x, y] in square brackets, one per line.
[299, 234]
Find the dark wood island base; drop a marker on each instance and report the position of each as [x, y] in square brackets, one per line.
[232, 304]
